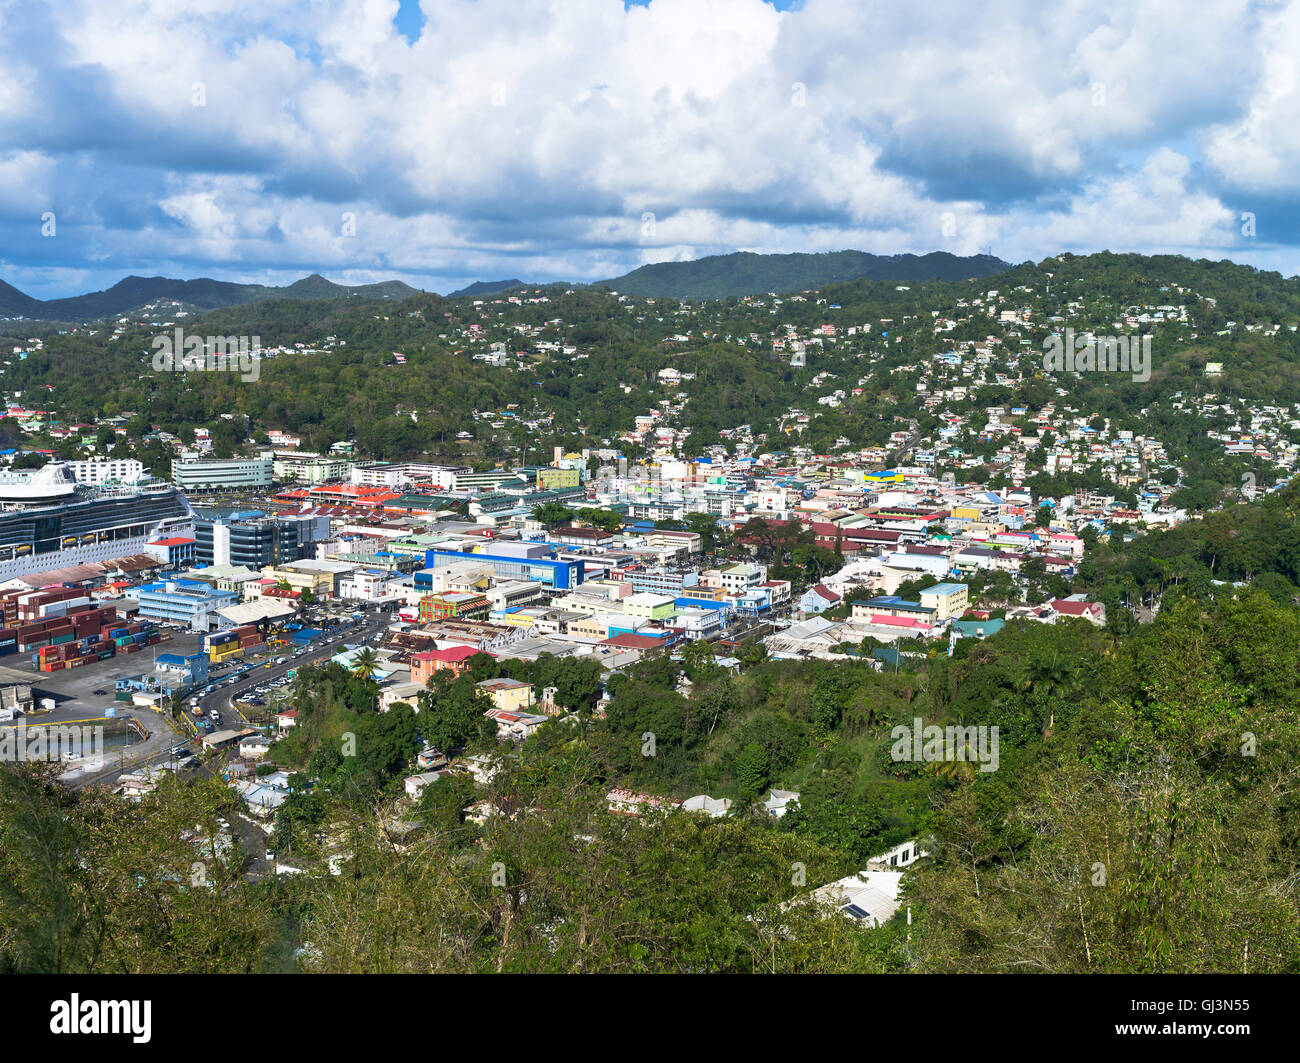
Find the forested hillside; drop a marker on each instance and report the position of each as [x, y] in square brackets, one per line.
[578, 366]
[746, 273]
[1141, 818]
[131, 293]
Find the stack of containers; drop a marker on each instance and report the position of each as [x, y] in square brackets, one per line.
[65, 618]
[56, 658]
[223, 646]
[248, 636]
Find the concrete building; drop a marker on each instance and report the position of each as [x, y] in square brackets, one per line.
[948, 600]
[890, 605]
[649, 606]
[107, 470]
[319, 578]
[306, 468]
[533, 562]
[216, 474]
[512, 695]
[192, 603]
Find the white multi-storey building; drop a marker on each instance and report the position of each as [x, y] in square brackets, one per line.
[107, 470]
[212, 474]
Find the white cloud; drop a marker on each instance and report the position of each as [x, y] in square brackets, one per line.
[524, 134]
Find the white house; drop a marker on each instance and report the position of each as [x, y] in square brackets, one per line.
[254, 747]
[715, 807]
[415, 784]
[778, 801]
[870, 897]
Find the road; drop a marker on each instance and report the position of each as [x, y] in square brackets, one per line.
[223, 697]
[152, 751]
[896, 456]
[163, 734]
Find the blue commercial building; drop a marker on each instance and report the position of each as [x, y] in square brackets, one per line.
[191, 602]
[725, 608]
[173, 674]
[540, 565]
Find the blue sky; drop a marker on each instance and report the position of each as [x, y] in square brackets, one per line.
[445, 141]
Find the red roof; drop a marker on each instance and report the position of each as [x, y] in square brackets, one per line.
[634, 642]
[176, 541]
[1075, 608]
[454, 655]
[898, 621]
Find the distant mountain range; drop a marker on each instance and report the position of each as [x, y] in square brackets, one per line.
[747, 273]
[488, 288]
[131, 293]
[714, 277]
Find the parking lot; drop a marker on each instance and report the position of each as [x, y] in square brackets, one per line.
[85, 692]
[240, 682]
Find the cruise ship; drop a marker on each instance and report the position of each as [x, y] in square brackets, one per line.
[49, 521]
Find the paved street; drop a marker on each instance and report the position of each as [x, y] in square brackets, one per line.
[78, 702]
[221, 699]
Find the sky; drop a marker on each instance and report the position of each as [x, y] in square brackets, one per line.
[447, 141]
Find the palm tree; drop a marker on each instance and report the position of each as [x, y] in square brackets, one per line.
[952, 770]
[1055, 677]
[363, 664]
